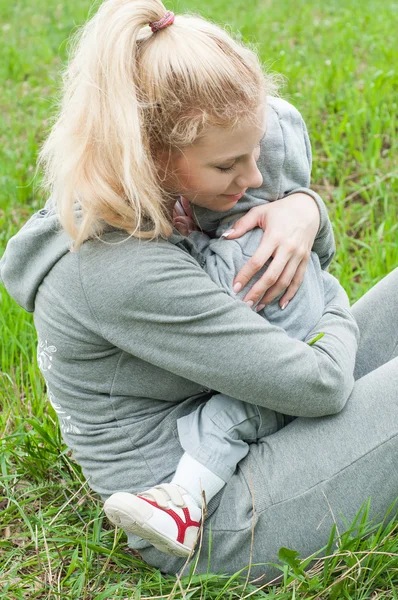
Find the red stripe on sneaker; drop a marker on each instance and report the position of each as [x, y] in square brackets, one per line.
[181, 525]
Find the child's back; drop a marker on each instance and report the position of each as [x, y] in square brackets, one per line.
[223, 259]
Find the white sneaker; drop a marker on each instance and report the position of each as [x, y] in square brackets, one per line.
[166, 516]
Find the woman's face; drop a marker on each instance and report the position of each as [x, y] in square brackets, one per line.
[215, 171]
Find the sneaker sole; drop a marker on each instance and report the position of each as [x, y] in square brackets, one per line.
[131, 521]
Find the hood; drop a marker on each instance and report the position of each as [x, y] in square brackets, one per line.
[31, 254]
[38, 246]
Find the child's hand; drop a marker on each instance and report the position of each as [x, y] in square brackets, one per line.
[183, 219]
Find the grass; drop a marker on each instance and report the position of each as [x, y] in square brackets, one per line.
[339, 59]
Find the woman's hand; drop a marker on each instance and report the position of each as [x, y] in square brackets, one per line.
[290, 226]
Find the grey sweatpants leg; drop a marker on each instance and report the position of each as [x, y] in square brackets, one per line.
[294, 484]
[217, 434]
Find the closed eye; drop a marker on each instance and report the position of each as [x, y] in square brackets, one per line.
[231, 168]
[227, 169]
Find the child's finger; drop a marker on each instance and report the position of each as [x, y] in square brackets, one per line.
[186, 207]
[178, 209]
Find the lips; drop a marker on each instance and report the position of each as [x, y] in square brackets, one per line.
[235, 196]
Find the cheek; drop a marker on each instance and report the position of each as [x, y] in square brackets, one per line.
[204, 182]
[190, 181]
[187, 177]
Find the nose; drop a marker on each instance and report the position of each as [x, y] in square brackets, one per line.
[250, 177]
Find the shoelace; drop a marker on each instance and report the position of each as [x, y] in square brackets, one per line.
[163, 493]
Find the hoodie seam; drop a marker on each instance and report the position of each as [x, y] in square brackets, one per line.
[284, 149]
[307, 144]
[94, 316]
[122, 428]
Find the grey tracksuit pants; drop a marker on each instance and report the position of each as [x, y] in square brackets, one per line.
[294, 484]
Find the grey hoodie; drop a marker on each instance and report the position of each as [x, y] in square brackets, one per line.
[133, 335]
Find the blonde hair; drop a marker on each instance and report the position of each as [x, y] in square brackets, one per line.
[128, 91]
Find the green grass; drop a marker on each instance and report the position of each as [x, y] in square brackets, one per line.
[339, 59]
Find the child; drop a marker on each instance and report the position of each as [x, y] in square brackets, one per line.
[215, 437]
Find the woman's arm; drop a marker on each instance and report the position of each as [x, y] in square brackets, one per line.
[159, 305]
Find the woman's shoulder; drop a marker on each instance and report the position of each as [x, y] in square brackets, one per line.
[120, 251]
[118, 263]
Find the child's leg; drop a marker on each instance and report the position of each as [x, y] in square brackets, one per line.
[215, 438]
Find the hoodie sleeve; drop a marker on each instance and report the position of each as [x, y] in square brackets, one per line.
[285, 163]
[162, 307]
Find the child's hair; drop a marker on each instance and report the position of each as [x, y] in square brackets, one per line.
[128, 91]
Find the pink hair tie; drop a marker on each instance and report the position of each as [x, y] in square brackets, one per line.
[165, 21]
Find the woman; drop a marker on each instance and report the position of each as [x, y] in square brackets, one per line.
[132, 332]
